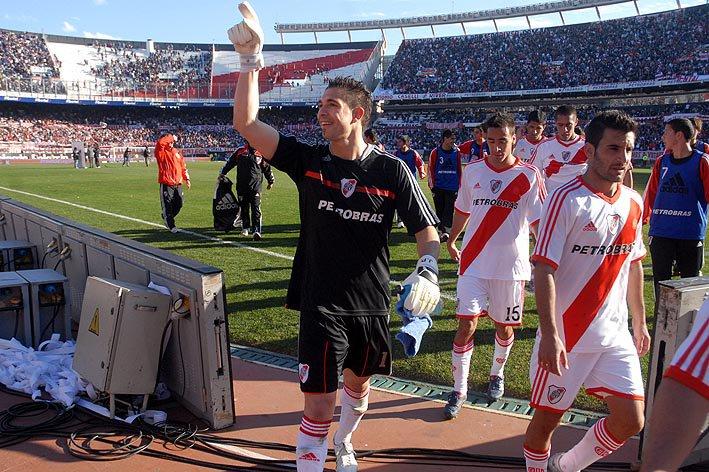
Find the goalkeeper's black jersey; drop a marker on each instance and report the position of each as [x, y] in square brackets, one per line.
[341, 264]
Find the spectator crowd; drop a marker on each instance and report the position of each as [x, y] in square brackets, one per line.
[210, 127]
[116, 127]
[26, 64]
[122, 66]
[648, 47]
[424, 127]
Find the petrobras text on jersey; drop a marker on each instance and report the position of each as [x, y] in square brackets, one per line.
[602, 250]
[495, 202]
[665, 212]
[347, 214]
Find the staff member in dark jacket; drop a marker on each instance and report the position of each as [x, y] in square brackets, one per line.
[250, 171]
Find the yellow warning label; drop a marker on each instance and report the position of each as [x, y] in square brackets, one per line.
[93, 326]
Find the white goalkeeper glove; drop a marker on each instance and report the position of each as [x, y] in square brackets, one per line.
[424, 294]
[247, 38]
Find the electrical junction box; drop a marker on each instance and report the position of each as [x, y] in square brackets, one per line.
[17, 255]
[49, 293]
[118, 344]
[676, 310]
[15, 316]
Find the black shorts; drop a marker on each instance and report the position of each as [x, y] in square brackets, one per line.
[327, 344]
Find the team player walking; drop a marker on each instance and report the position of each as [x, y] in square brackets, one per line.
[588, 263]
[499, 199]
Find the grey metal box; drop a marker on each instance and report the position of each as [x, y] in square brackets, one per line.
[15, 312]
[49, 295]
[118, 344]
[197, 370]
[676, 309]
[17, 255]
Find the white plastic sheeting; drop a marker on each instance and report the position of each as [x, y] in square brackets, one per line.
[46, 369]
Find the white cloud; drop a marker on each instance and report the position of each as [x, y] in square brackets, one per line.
[99, 2]
[20, 18]
[97, 35]
[68, 27]
[370, 14]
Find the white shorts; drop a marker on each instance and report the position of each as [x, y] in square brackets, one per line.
[613, 372]
[501, 300]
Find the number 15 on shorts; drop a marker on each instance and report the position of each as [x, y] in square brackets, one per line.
[514, 314]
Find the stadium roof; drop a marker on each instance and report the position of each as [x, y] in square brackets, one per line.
[452, 18]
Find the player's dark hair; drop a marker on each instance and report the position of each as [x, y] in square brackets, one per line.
[537, 115]
[613, 119]
[447, 133]
[684, 126]
[478, 128]
[404, 138]
[372, 135]
[356, 93]
[565, 110]
[500, 120]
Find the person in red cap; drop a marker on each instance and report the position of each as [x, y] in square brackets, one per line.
[172, 172]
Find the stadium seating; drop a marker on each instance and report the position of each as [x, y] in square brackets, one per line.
[295, 75]
[26, 64]
[102, 69]
[211, 127]
[670, 44]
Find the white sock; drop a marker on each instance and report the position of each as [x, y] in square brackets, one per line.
[502, 352]
[311, 445]
[354, 405]
[596, 444]
[461, 366]
[536, 461]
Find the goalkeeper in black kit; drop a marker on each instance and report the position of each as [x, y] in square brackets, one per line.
[348, 192]
[251, 168]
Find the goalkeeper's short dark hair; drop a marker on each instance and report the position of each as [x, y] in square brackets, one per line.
[357, 95]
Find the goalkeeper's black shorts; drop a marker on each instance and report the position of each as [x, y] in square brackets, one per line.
[327, 344]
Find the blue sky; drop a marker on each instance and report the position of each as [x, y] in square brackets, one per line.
[206, 21]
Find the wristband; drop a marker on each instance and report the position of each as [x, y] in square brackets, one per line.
[251, 62]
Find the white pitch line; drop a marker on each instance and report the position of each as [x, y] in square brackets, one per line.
[185, 231]
[150, 223]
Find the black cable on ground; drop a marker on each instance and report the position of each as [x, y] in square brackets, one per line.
[93, 437]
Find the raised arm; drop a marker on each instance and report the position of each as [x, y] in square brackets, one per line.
[247, 38]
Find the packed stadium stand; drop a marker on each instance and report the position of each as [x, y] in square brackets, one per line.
[85, 68]
[644, 48]
[70, 73]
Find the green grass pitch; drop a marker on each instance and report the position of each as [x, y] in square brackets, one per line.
[256, 283]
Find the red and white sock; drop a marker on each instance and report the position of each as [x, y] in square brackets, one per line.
[502, 352]
[354, 405]
[461, 366]
[536, 461]
[311, 445]
[597, 443]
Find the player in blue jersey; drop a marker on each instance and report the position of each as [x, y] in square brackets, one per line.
[676, 204]
[410, 156]
[445, 169]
